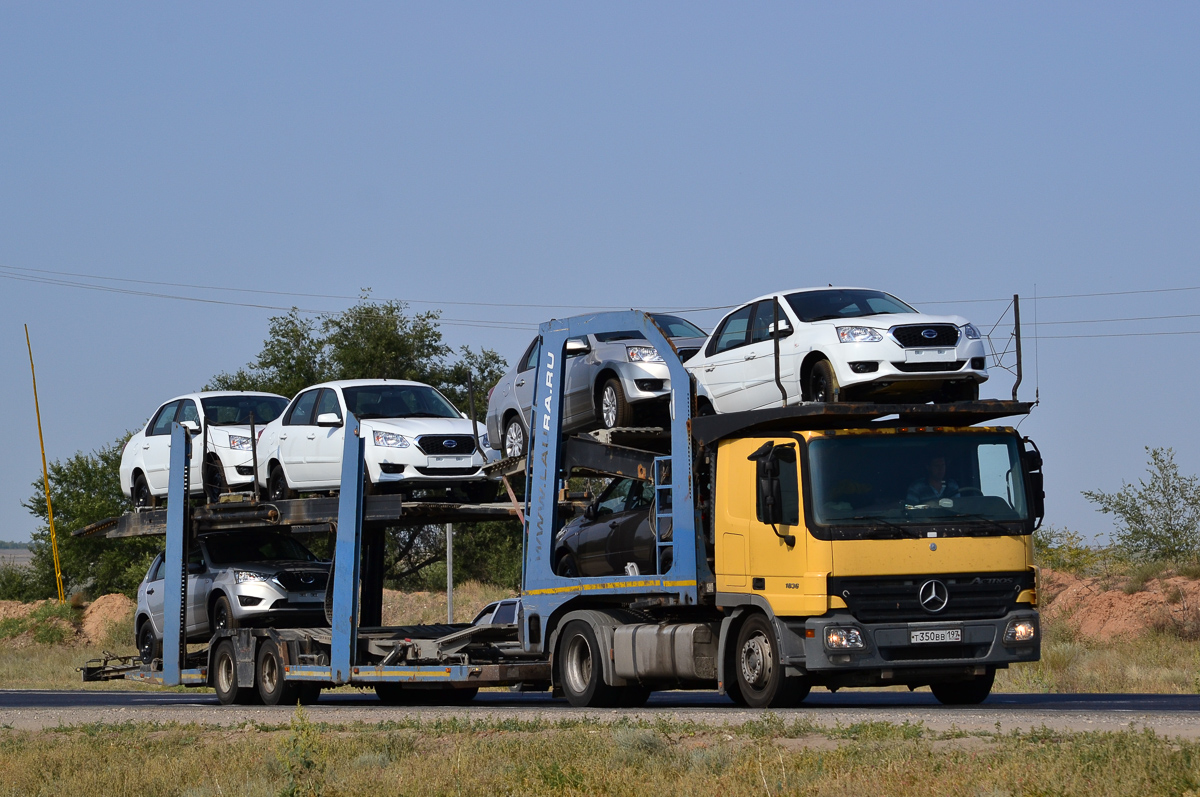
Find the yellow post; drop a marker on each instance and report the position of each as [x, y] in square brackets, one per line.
[45, 472]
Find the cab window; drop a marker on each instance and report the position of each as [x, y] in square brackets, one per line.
[162, 422]
[302, 410]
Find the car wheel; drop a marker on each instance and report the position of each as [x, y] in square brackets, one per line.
[277, 486]
[225, 680]
[823, 384]
[222, 615]
[580, 669]
[566, 567]
[213, 481]
[142, 497]
[614, 409]
[514, 438]
[273, 688]
[149, 648]
[760, 679]
[964, 693]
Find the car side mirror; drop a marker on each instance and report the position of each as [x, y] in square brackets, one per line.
[575, 346]
[785, 328]
[191, 426]
[328, 419]
[195, 568]
[589, 512]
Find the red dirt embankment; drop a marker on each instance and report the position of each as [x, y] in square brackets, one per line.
[1101, 609]
[92, 627]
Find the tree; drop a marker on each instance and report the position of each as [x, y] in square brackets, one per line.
[86, 488]
[1159, 518]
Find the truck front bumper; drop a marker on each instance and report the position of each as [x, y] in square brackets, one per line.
[891, 646]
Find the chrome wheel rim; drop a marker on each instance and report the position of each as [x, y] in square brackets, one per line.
[608, 407]
[514, 440]
[578, 672]
[225, 674]
[756, 661]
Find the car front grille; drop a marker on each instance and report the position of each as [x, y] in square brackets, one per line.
[913, 336]
[896, 599]
[303, 580]
[446, 444]
[929, 368]
[447, 471]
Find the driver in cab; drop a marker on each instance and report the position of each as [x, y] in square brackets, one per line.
[934, 486]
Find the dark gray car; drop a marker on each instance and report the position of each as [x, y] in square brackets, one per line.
[611, 379]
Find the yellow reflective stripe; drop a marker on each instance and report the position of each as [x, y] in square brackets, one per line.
[610, 585]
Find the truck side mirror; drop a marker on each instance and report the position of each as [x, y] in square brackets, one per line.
[1037, 496]
[1032, 459]
[770, 509]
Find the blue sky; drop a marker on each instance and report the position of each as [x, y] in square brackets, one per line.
[602, 155]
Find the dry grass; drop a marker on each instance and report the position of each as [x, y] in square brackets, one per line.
[419, 608]
[587, 757]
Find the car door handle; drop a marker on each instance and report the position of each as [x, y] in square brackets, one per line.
[150, 592]
[312, 436]
[710, 369]
[522, 382]
[751, 356]
[146, 447]
[283, 437]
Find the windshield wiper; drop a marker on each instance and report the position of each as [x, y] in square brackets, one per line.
[894, 526]
[994, 524]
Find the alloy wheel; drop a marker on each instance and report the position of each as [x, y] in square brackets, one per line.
[608, 407]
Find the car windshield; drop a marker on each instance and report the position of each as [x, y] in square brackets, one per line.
[397, 401]
[226, 549]
[897, 481]
[674, 326]
[236, 410]
[843, 303]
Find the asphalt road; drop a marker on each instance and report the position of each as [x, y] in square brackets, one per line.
[1171, 715]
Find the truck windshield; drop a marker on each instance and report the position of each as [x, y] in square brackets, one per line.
[900, 482]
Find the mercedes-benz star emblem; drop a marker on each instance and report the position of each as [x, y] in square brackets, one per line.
[929, 334]
[933, 596]
[450, 443]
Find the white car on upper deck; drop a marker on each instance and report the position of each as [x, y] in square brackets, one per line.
[224, 419]
[837, 344]
[415, 440]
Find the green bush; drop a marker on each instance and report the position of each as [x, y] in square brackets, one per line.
[1064, 550]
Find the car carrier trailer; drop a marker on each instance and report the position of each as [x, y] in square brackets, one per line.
[780, 577]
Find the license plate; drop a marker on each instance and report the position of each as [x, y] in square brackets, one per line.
[450, 460]
[929, 355]
[943, 635]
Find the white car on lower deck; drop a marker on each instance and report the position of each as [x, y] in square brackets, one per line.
[222, 456]
[836, 344]
[415, 440]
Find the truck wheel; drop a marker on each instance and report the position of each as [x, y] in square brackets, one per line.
[823, 384]
[758, 670]
[391, 694]
[222, 615]
[614, 409]
[273, 688]
[514, 438]
[277, 486]
[149, 648]
[964, 693]
[225, 680]
[142, 497]
[633, 696]
[580, 668]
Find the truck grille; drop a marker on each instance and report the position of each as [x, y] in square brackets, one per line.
[302, 581]
[913, 337]
[896, 599]
[446, 444]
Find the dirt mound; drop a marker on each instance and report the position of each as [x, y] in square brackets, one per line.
[16, 609]
[104, 612]
[1103, 610]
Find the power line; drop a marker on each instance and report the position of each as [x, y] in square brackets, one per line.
[1068, 296]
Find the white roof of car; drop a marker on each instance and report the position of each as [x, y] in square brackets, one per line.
[367, 382]
[203, 394]
[821, 288]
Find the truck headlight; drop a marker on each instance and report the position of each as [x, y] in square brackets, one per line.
[239, 442]
[970, 332]
[643, 354]
[242, 576]
[1020, 631]
[391, 440]
[858, 335]
[843, 639]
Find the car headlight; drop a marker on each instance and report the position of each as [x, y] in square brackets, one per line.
[484, 441]
[844, 639]
[242, 576]
[391, 440]
[239, 443]
[643, 354]
[858, 335]
[970, 332]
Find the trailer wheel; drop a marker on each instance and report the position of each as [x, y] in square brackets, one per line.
[273, 688]
[225, 680]
[580, 668]
[758, 670]
[149, 648]
[964, 693]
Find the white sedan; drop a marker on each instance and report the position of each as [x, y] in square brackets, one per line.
[222, 456]
[836, 344]
[415, 439]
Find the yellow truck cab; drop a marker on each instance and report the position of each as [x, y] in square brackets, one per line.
[870, 554]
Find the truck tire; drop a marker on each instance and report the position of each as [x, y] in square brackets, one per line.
[758, 671]
[964, 693]
[580, 668]
[225, 680]
[823, 384]
[273, 688]
[614, 409]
